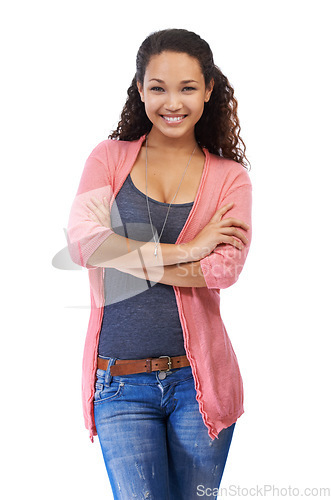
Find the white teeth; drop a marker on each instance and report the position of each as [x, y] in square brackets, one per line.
[173, 118]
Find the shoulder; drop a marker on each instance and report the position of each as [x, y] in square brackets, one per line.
[229, 172]
[114, 153]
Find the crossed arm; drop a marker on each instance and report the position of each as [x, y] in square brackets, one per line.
[92, 243]
[139, 264]
[185, 274]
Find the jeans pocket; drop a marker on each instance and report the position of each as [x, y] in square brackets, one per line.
[109, 392]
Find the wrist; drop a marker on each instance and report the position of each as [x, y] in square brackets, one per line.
[185, 252]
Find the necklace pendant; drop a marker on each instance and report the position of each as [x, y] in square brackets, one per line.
[155, 251]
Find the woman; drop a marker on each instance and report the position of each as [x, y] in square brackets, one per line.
[162, 221]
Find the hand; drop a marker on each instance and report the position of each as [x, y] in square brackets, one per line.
[218, 231]
[100, 211]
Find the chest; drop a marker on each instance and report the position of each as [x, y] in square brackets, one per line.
[164, 177]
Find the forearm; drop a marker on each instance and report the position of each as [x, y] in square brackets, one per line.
[184, 274]
[123, 253]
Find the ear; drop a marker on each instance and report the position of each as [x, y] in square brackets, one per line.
[140, 90]
[209, 90]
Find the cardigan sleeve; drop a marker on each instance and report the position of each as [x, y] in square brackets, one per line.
[83, 234]
[222, 267]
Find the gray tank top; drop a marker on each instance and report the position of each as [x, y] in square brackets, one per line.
[140, 317]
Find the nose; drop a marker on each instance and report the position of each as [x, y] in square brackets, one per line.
[173, 102]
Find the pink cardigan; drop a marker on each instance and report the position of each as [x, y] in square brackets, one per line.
[214, 364]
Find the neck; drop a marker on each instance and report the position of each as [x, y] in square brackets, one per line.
[169, 145]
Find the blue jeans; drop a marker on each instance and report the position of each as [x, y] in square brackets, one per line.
[154, 442]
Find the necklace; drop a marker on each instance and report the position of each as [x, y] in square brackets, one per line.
[149, 212]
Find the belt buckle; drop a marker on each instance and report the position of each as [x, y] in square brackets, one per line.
[169, 363]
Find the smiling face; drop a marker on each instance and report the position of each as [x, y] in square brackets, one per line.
[174, 94]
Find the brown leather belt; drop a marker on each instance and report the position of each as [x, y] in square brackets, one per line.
[128, 366]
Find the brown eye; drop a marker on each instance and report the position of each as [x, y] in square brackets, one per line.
[157, 89]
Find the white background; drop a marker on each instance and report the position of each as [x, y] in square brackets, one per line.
[66, 67]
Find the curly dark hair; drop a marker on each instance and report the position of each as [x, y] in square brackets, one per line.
[218, 128]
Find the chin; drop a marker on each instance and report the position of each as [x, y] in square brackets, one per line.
[174, 131]
[175, 134]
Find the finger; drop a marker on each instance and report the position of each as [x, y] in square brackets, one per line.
[92, 216]
[92, 205]
[100, 210]
[221, 211]
[96, 204]
[107, 207]
[104, 206]
[233, 231]
[232, 241]
[96, 201]
[231, 221]
[100, 203]
[225, 208]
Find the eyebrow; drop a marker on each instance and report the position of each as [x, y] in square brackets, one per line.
[182, 82]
